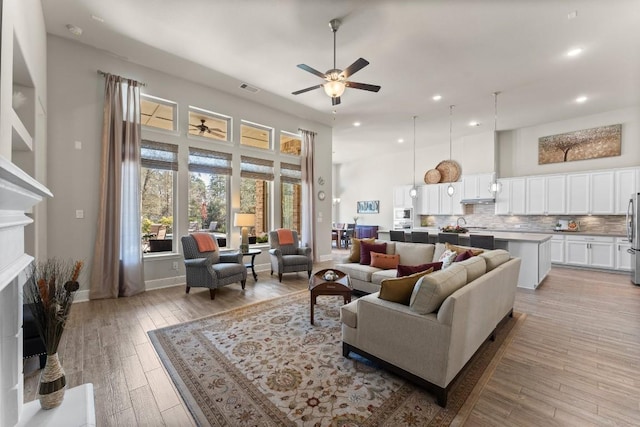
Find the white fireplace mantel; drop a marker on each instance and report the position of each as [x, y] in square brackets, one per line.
[19, 193]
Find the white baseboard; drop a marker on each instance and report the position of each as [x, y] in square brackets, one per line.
[166, 282]
[81, 296]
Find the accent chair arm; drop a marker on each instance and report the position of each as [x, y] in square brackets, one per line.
[235, 257]
[275, 252]
[306, 251]
[197, 262]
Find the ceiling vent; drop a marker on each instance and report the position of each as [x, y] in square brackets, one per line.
[249, 88]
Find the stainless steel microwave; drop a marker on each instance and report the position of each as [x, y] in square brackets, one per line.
[403, 213]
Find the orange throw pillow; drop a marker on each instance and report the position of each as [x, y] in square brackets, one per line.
[205, 242]
[384, 261]
[285, 236]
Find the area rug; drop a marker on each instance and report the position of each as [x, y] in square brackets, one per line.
[266, 365]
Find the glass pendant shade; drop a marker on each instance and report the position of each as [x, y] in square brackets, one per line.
[413, 193]
[334, 88]
[451, 190]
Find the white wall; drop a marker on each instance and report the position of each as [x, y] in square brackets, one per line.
[518, 149]
[75, 104]
[373, 178]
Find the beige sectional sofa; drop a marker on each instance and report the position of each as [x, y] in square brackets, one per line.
[451, 313]
[367, 279]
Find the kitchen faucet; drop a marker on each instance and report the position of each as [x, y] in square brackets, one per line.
[463, 220]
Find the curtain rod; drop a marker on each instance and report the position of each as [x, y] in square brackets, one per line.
[102, 73]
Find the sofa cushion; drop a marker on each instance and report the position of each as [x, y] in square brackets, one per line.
[476, 266]
[399, 289]
[414, 253]
[367, 248]
[358, 271]
[432, 289]
[380, 275]
[384, 261]
[355, 248]
[461, 249]
[406, 270]
[349, 314]
[438, 251]
[495, 258]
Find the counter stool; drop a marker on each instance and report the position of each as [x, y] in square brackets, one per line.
[452, 238]
[396, 235]
[481, 241]
[420, 237]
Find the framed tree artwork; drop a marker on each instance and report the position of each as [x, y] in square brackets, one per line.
[603, 141]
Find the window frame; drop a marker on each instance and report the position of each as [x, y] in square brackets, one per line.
[270, 133]
[294, 135]
[213, 115]
[163, 101]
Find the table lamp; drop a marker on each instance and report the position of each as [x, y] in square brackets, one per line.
[244, 220]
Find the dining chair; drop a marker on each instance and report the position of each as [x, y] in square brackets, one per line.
[452, 238]
[420, 237]
[397, 235]
[481, 241]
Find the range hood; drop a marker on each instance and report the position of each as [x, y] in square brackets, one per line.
[484, 201]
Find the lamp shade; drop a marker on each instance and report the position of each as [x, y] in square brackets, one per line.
[244, 220]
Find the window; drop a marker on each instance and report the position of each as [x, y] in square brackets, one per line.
[291, 188]
[290, 143]
[158, 113]
[208, 124]
[255, 135]
[209, 173]
[256, 176]
[159, 163]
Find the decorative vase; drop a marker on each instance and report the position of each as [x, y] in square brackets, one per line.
[52, 383]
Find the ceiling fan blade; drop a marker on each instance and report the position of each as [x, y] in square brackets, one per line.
[311, 70]
[355, 67]
[363, 86]
[195, 126]
[298, 92]
[335, 100]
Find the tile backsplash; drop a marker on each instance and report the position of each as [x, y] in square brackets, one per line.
[484, 216]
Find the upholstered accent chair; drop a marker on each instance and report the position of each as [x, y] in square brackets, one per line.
[289, 258]
[32, 344]
[211, 269]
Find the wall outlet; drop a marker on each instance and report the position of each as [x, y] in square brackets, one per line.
[79, 213]
[175, 265]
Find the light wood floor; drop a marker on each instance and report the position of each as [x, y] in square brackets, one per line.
[574, 361]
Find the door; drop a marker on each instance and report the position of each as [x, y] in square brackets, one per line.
[625, 187]
[623, 257]
[577, 252]
[557, 249]
[503, 198]
[518, 197]
[601, 255]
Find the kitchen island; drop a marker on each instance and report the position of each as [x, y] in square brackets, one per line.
[533, 248]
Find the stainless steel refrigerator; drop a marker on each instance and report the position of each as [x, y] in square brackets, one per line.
[633, 227]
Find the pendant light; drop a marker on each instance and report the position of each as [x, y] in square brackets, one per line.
[414, 191]
[450, 189]
[495, 186]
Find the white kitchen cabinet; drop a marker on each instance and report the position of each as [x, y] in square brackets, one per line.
[401, 197]
[510, 200]
[429, 199]
[626, 183]
[590, 251]
[477, 186]
[623, 258]
[545, 195]
[450, 205]
[590, 193]
[557, 249]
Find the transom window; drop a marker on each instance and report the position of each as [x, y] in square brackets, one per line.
[208, 124]
[255, 135]
[158, 113]
[290, 143]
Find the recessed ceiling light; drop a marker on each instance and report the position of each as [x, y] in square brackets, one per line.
[575, 51]
[356, 124]
[474, 123]
[436, 97]
[581, 99]
[400, 140]
[73, 29]
[572, 15]
[97, 18]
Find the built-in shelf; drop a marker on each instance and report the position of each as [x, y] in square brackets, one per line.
[21, 140]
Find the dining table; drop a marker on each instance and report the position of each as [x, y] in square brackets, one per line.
[340, 232]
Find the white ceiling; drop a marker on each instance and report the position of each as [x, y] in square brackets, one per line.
[462, 49]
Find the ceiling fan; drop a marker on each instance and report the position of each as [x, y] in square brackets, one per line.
[336, 79]
[204, 128]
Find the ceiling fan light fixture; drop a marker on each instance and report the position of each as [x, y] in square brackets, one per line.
[334, 88]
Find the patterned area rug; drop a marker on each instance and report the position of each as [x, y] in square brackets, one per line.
[266, 365]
